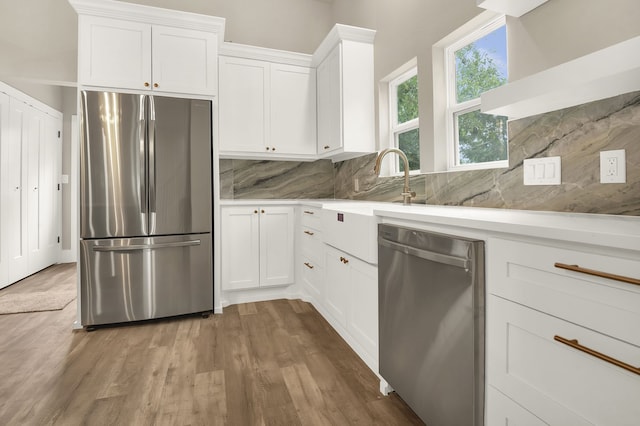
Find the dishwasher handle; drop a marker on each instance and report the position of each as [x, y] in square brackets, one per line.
[446, 259]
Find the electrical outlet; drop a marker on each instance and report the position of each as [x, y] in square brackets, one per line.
[612, 166]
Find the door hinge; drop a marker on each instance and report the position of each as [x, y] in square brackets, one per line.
[58, 239]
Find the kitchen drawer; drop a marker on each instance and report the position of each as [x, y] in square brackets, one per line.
[558, 383]
[313, 279]
[310, 217]
[525, 273]
[502, 410]
[311, 243]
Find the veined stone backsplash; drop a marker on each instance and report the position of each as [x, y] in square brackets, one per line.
[576, 134]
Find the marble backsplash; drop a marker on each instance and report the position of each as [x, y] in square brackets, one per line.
[576, 134]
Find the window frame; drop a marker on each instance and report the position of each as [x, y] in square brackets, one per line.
[395, 128]
[454, 108]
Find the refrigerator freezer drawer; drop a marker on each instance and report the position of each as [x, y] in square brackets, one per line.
[133, 279]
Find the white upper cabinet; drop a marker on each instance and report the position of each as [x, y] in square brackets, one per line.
[293, 109]
[243, 105]
[345, 93]
[129, 46]
[267, 109]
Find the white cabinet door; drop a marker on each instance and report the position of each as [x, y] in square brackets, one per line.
[329, 75]
[243, 105]
[114, 53]
[363, 302]
[16, 196]
[4, 188]
[276, 245]
[293, 109]
[184, 61]
[240, 248]
[338, 279]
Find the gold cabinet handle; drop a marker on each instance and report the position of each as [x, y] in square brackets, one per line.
[327, 147]
[261, 211]
[255, 211]
[308, 212]
[146, 84]
[156, 85]
[308, 265]
[576, 345]
[308, 232]
[344, 260]
[600, 274]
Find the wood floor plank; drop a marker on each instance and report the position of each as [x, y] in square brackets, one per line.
[264, 363]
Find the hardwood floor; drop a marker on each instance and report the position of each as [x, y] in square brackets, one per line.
[268, 363]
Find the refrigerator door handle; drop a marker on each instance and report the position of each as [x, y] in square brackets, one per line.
[142, 130]
[138, 247]
[152, 165]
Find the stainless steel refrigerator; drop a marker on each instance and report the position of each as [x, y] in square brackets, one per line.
[145, 201]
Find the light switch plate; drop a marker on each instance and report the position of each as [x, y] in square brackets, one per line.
[542, 171]
[612, 166]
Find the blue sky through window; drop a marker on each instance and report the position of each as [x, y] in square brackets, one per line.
[495, 45]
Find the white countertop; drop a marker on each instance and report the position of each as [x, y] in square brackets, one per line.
[602, 230]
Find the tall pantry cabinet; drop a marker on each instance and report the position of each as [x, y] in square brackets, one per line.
[30, 148]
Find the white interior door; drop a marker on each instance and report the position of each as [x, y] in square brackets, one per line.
[35, 136]
[48, 190]
[4, 188]
[16, 192]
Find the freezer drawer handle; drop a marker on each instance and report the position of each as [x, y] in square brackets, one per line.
[427, 255]
[576, 345]
[137, 247]
[601, 274]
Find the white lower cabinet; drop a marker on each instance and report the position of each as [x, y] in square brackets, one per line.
[257, 246]
[311, 254]
[351, 301]
[558, 339]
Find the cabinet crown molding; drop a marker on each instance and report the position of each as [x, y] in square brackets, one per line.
[339, 33]
[265, 54]
[150, 15]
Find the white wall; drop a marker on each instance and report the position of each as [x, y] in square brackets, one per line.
[295, 25]
[555, 32]
[561, 30]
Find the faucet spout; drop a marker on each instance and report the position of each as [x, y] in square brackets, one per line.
[407, 194]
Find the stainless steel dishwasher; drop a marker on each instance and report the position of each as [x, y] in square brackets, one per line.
[431, 322]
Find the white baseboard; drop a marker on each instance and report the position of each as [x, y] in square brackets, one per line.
[67, 256]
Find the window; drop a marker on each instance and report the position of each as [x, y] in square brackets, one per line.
[476, 63]
[404, 125]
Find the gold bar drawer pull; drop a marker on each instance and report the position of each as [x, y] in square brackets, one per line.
[308, 212]
[308, 265]
[576, 345]
[600, 274]
[308, 232]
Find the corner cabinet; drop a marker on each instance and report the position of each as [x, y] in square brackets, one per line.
[346, 93]
[257, 246]
[128, 46]
[267, 109]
